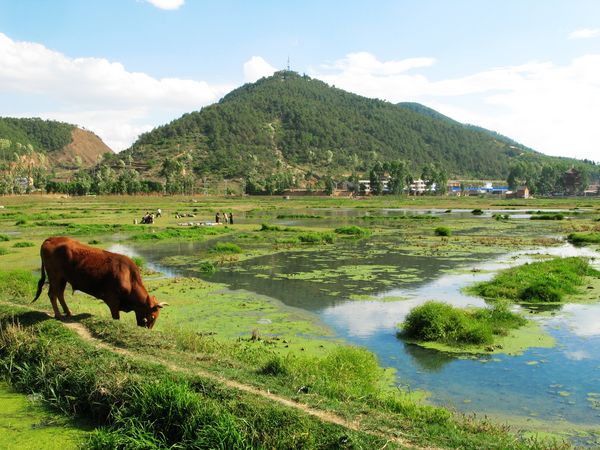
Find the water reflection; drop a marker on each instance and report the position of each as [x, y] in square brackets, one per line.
[426, 359]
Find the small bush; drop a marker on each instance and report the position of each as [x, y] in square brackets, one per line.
[226, 247]
[23, 244]
[4, 238]
[21, 222]
[558, 216]
[3, 251]
[94, 242]
[477, 212]
[317, 238]
[584, 238]
[440, 322]
[207, 267]
[353, 230]
[443, 231]
[267, 227]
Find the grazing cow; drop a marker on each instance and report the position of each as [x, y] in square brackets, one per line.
[105, 275]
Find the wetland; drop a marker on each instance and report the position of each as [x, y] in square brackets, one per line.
[311, 295]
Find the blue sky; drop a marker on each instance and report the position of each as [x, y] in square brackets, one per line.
[529, 69]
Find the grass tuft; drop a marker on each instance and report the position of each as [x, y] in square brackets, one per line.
[545, 281]
[443, 323]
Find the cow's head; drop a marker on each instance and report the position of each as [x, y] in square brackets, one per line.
[148, 319]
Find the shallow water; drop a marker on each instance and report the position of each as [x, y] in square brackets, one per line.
[24, 424]
[560, 384]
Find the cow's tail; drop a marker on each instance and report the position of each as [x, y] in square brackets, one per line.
[40, 283]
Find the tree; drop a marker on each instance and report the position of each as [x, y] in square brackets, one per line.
[398, 171]
[376, 178]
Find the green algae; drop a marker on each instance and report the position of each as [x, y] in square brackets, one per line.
[25, 424]
[211, 308]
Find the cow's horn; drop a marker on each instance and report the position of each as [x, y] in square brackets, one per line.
[161, 304]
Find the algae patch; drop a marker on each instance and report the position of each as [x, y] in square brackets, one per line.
[25, 425]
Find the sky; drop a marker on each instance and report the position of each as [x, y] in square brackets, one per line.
[528, 69]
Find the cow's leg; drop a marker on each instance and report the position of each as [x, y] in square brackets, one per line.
[61, 297]
[53, 296]
[114, 312]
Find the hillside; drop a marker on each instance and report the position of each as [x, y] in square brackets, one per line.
[288, 122]
[63, 147]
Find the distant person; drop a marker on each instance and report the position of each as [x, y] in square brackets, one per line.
[231, 218]
[218, 218]
[225, 218]
[158, 213]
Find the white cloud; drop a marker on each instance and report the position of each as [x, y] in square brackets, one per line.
[256, 68]
[545, 106]
[585, 33]
[96, 93]
[167, 4]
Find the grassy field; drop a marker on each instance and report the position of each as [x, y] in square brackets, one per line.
[207, 349]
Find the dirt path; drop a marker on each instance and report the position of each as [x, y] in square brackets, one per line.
[324, 416]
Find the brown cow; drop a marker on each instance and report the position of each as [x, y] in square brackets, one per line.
[108, 276]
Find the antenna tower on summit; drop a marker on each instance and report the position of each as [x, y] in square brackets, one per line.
[288, 68]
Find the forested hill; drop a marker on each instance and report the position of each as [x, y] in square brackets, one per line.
[59, 146]
[289, 122]
[424, 110]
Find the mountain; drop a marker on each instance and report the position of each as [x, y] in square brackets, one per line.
[65, 147]
[426, 111]
[302, 126]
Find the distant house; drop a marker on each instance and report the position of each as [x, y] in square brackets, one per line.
[572, 179]
[418, 187]
[521, 192]
[593, 189]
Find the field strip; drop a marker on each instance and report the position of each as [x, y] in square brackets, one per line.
[325, 416]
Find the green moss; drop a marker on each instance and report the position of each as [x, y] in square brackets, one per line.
[26, 425]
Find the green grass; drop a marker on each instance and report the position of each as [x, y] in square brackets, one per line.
[143, 405]
[443, 323]
[557, 216]
[23, 244]
[207, 267]
[226, 248]
[139, 261]
[353, 230]
[443, 231]
[139, 404]
[299, 216]
[18, 285]
[317, 237]
[584, 238]
[4, 238]
[545, 281]
[185, 233]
